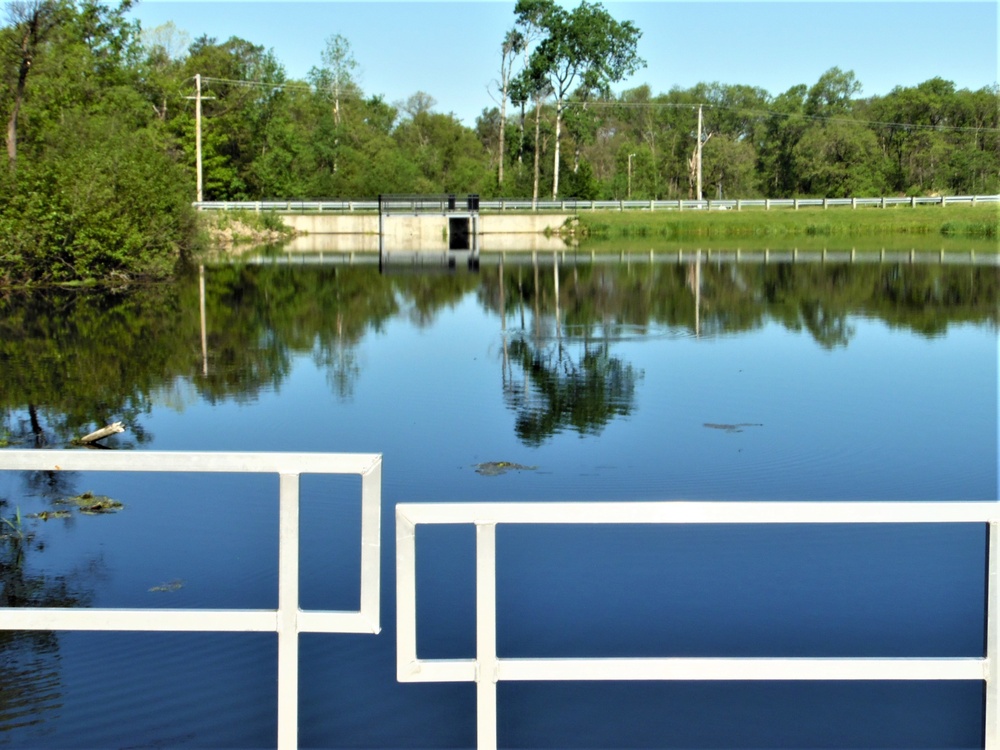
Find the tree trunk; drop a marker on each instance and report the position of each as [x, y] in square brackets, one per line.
[22, 79]
[336, 124]
[34, 20]
[503, 127]
[12, 134]
[520, 151]
[555, 167]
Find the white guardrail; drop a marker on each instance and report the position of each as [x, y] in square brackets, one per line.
[487, 669]
[287, 620]
[512, 204]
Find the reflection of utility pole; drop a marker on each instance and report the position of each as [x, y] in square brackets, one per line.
[630, 157]
[555, 273]
[520, 296]
[503, 326]
[697, 294]
[698, 166]
[538, 298]
[204, 327]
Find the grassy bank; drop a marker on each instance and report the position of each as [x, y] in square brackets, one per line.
[979, 222]
[227, 229]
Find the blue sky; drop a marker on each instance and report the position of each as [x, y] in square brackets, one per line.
[451, 49]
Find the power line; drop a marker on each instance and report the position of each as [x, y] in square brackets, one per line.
[657, 105]
[259, 84]
[772, 113]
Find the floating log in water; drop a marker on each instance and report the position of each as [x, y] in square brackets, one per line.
[111, 429]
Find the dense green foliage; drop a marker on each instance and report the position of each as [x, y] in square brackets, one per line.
[92, 188]
[101, 133]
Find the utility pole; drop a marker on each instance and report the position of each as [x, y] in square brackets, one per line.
[197, 130]
[197, 142]
[698, 196]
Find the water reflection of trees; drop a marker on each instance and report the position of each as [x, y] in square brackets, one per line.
[710, 298]
[72, 361]
[30, 683]
[560, 390]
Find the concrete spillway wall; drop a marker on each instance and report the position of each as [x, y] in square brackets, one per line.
[420, 228]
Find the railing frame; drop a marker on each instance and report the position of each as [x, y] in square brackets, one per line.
[438, 204]
[487, 669]
[288, 620]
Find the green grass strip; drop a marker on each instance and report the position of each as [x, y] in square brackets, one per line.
[950, 221]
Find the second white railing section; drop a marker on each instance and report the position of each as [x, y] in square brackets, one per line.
[487, 669]
[287, 620]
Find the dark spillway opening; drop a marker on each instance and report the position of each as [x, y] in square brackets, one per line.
[458, 233]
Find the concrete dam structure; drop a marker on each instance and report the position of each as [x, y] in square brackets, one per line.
[429, 232]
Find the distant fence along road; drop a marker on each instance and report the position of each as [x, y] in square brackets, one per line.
[519, 204]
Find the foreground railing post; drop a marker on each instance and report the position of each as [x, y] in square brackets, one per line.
[993, 639]
[288, 607]
[406, 596]
[486, 636]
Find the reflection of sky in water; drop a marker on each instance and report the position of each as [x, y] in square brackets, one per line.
[891, 415]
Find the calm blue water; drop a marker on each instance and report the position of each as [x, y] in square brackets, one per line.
[624, 408]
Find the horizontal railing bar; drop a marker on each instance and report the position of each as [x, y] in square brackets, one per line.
[309, 621]
[54, 618]
[720, 512]
[688, 668]
[323, 621]
[437, 670]
[201, 620]
[274, 463]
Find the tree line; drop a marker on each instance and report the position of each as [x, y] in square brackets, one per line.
[100, 132]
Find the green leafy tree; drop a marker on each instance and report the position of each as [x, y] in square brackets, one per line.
[585, 48]
[97, 192]
[244, 82]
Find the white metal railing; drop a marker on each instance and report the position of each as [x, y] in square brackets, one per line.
[487, 669]
[572, 204]
[287, 620]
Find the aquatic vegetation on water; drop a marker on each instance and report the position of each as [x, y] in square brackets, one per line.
[493, 468]
[92, 504]
[731, 427]
[45, 515]
[169, 586]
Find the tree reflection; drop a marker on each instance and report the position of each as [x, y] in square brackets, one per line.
[30, 681]
[72, 361]
[570, 380]
[561, 391]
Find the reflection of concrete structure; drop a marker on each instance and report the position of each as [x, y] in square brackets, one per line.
[332, 243]
[368, 243]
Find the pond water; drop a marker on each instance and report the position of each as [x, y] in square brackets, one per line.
[630, 378]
